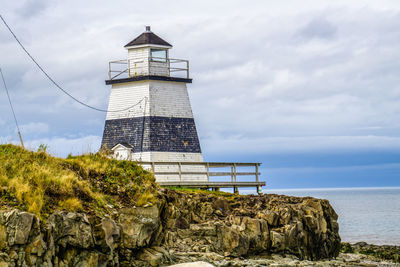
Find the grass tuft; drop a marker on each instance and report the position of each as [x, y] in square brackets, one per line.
[202, 191]
[40, 183]
[72, 204]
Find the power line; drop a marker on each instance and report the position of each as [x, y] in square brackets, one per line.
[12, 109]
[54, 82]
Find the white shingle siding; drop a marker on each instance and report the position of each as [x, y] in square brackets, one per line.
[138, 59]
[169, 156]
[173, 157]
[139, 63]
[122, 153]
[169, 99]
[125, 95]
[159, 68]
[164, 99]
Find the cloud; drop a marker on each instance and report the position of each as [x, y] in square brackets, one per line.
[351, 168]
[61, 146]
[321, 144]
[35, 128]
[267, 76]
[319, 28]
[31, 8]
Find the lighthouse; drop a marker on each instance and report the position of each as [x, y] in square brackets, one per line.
[149, 116]
[150, 120]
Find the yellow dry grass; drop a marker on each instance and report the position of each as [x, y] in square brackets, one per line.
[40, 183]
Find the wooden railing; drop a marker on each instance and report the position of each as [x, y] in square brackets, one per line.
[183, 170]
[126, 68]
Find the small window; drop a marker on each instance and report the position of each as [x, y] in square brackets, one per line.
[158, 55]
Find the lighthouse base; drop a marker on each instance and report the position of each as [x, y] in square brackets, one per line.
[168, 166]
[167, 156]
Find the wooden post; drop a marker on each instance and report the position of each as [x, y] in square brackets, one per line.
[259, 192]
[169, 64]
[187, 67]
[20, 139]
[180, 171]
[256, 172]
[148, 64]
[129, 68]
[208, 172]
[152, 167]
[109, 70]
[235, 188]
[234, 171]
[232, 174]
[257, 180]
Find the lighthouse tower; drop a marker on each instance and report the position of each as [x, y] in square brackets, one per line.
[149, 116]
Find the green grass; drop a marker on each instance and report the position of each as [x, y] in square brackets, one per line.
[202, 191]
[40, 183]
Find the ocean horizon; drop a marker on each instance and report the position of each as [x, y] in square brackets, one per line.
[366, 214]
[332, 188]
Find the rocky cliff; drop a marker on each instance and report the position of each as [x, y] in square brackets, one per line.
[177, 225]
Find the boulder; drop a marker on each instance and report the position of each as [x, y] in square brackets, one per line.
[111, 232]
[232, 241]
[139, 226]
[20, 226]
[70, 229]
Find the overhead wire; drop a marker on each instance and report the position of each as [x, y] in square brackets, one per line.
[54, 82]
[12, 109]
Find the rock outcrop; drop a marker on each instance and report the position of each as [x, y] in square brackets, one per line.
[245, 225]
[384, 252]
[179, 224]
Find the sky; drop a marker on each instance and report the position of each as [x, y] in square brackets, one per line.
[310, 88]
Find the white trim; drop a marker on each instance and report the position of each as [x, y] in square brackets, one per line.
[148, 45]
[119, 144]
[121, 152]
[167, 156]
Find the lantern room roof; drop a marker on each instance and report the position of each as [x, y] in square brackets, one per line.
[148, 37]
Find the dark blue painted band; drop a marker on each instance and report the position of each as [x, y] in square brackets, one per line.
[158, 134]
[149, 77]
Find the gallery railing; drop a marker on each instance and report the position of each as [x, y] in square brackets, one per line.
[170, 67]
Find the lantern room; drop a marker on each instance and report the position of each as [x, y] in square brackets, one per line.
[148, 55]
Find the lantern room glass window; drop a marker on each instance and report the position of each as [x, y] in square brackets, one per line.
[158, 55]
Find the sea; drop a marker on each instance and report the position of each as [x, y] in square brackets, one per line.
[371, 215]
